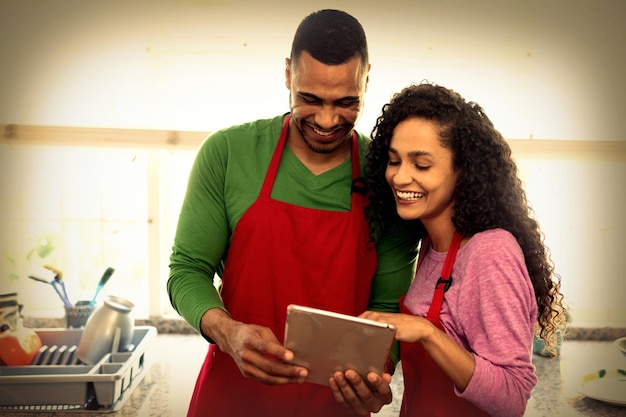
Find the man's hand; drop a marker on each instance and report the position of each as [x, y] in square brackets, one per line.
[255, 349]
[359, 396]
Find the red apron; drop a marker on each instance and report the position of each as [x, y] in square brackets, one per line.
[427, 389]
[282, 254]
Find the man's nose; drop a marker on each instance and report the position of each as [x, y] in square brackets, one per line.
[327, 117]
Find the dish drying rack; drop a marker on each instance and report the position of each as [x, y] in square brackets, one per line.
[57, 381]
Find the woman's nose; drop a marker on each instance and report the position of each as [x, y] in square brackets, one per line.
[401, 176]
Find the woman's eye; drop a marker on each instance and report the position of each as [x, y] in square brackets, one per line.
[393, 163]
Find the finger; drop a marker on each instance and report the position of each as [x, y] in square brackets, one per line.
[257, 358]
[267, 343]
[349, 397]
[270, 371]
[275, 360]
[370, 315]
[337, 393]
[381, 385]
[373, 393]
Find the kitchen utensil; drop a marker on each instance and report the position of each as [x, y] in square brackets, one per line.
[55, 285]
[58, 277]
[99, 333]
[605, 385]
[59, 287]
[105, 278]
[77, 315]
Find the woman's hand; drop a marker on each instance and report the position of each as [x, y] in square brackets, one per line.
[457, 362]
[409, 328]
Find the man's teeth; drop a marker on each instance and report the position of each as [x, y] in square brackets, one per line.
[409, 195]
[322, 133]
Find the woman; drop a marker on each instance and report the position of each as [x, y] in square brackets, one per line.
[485, 281]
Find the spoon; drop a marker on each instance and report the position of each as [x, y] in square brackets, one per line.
[105, 278]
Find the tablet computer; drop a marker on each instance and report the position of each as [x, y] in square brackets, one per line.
[324, 342]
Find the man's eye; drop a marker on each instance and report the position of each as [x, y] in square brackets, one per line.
[348, 103]
[309, 100]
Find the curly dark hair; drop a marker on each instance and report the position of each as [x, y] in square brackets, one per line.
[488, 193]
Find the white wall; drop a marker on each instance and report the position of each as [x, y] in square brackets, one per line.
[548, 69]
[542, 69]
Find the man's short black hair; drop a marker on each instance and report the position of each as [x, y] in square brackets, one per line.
[332, 37]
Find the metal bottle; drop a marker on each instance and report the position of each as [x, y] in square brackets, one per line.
[109, 329]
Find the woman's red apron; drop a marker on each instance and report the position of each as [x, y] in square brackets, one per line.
[428, 391]
[283, 254]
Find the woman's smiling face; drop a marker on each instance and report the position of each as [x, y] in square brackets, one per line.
[421, 172]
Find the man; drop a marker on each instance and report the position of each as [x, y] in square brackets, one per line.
[275, 207]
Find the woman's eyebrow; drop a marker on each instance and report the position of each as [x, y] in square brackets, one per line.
[420, 153]
[412, 153]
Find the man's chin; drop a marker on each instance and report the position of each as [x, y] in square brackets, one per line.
[325, 147]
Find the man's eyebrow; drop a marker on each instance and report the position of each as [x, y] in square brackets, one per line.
[349, 98]
[309, 95]
[313, 96]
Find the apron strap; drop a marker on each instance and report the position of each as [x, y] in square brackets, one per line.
[445, 280]
[266, 190]
[359, 188]
[358, 184]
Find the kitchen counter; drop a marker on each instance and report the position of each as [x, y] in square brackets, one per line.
[167, 385]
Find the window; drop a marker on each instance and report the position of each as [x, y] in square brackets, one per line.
[83, 209]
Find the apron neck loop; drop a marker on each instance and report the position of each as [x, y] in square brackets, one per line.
[358, 191]
[270, 175]
[358, 183]
[451, 255]
[444, 282]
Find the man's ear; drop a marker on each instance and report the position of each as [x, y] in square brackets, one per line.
[288, 73]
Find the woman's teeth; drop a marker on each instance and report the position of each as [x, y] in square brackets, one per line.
[409, 195]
